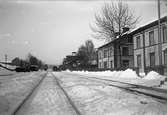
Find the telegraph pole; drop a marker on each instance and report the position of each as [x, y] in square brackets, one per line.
[6, 59]
[159, 34]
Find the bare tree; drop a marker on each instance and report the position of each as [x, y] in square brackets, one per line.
[111, 20]
[87, 52]
[90, 49]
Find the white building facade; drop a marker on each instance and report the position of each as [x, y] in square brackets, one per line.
[149, 52]
[116, 54]
[106, 57]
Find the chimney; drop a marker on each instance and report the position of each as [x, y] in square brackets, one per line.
[125, 29]
[74, 53]
[117, 34]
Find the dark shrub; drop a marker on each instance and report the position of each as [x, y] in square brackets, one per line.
[34, 68]
[20, 69]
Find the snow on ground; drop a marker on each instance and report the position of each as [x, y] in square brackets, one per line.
[47, 100]
[82, 91]
[152, 79]
[94, 98]
[14, 88]
[9, 66]
[4, 72]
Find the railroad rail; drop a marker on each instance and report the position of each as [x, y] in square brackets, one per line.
[28, 96]
[67, 96]
[35, 90]
[153, 92]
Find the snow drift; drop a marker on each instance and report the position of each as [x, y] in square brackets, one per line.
[152, 75]
[129, 73]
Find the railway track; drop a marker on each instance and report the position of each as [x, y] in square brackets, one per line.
[156, 93]
[34, 91]
[28, 96]
[67, 96]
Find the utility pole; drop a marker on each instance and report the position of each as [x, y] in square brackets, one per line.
[144, 53]
[159, 34]
[6, 59]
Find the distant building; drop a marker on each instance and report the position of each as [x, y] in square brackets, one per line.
[117, 53]
[71, 61]
[76, 62]
[149, 52]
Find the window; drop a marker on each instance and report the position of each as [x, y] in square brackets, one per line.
[105, 64]
[125, 63]
[151, 38]
[105, 53]
[100, 56]
[165, 57]
[100, 66]
[110, 52]
[139, 61]
[130, 40]
[111, 64]
[138, 45]
[125, 51]
[152, 59]
[164, 30]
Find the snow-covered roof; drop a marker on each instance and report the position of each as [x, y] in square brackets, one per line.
[124, 35]
[154, 23]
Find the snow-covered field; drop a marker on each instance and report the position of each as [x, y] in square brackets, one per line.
[152, 79]
[4, 72]
[14, 87]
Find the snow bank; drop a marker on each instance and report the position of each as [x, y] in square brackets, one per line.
[129, 73]
[142, 74]
[68, 70]
[129, 76]
[105, 73]
[152, 75]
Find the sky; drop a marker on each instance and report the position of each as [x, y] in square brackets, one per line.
[52, 29]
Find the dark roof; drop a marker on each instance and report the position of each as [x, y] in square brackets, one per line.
[154, 23]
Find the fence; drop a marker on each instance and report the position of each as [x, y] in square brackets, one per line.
[159, 69]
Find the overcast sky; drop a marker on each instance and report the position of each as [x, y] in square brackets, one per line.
[51, 29]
